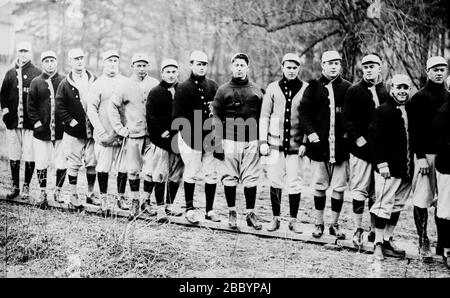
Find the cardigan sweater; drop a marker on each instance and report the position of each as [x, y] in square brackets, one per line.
[442, 133]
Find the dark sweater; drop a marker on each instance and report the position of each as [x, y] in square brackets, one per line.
[69, 107]
[9, 94]
[238, 99]
[40, 107]
[423, 107]
[314, 114]
[193, 97]
[358, 112]
[389, 140]
[442, 133]
[159, 114]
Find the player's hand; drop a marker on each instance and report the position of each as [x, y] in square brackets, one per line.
[424, 168]
[302, 151]
[264, 149]
[165, 134]
[385, 173]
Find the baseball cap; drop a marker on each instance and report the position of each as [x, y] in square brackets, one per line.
[48, 54]
[291, 57]
[240, 56]
[435, 61]
[140, 57]
[75, 53]
[23, 45]
[168, 62]
[371, 59]
[330, 55]
[400, 79]
[198, 56]
[109, 54]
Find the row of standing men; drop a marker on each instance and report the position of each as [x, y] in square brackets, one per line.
[143, 128]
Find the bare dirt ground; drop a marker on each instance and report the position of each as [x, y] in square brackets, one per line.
[53, 243]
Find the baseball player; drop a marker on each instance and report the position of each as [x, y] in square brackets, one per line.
[78, 142]
[107, 141]
[320, 113]
[361, 101]
[280, 139]
[423, 107]
[48, 130]
[127, 117]
[442, 163]
[236, 109]
[390, 142]
[191, 106]
[19, 130]
[162, 164]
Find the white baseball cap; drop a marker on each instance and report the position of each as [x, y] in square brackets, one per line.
[110, 53]
[168, 62]
[198, 56]
[291, 57]
[371, 59]
[400, 79]
[140, 57]
[75, 53]
[330, 55]
[24, 45]
[48, 54]
[435, 61]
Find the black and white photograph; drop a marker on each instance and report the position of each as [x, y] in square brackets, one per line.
[225, 145]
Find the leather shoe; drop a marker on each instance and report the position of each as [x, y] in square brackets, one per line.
[318, 231]
[232, 219]
[335, 231]
[274, 224]
[294, 226]
[252, 221]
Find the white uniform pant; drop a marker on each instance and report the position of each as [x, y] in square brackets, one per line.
[110, 158]
[241, 163]
[46, 152]
[286, 171]
[362, 181]
[20, 144]
[135, 149]
[160, 165]
[424, 186]
[79, 152]
[197, 165]
[325, 175]
[443, 203]
[390, 195]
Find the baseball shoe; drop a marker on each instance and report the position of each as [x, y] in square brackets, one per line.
[252, 221]
[104, 203]
[191, 217]
[425, 250]
[57, 196]
[274, 224]
[392, 250]
[13, 194]
[123, 203]
[232, 219]
[335, 231]
[147, 208]
[25, 191]
[75, 202]
[294, 226]
[378, 252]
[212, 216]
[161, 215]
[135, 208]
[93, 200]
[358, 237]
[371, 236]
[318, 231]
[170, 211]
[41, 201]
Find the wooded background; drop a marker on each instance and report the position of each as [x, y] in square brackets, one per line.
[403, 32]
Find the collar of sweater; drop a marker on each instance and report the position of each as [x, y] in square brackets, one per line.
[25, 65]
[193, 77]
[239, 82]
[395, 102]
[326, 80]
[166, 85]
[46, 75]
[295, 83]
[368, 83]
[72, 82]
[434, 87]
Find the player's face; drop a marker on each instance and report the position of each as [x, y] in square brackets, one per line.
[111, 65]
[290, 70]
[140, 69]
[331, 68]
[24, 56]
[49, 65]
[371, 71]
[199, 68]
[77, 63]
[169, 74]
[401, 92]
[239, 69]
[437, 74]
